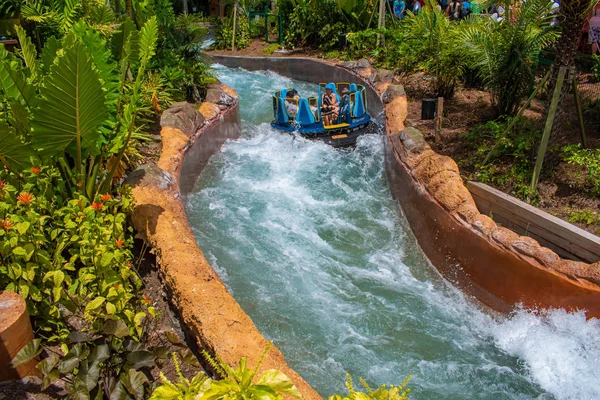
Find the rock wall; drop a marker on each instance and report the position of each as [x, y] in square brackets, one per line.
[189, 138]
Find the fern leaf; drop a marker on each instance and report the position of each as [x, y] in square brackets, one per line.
[29, 51]
[148, 38]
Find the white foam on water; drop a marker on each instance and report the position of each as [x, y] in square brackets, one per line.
[313, 247]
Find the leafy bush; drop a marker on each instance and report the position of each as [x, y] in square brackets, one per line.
[587, 217]
[225, 34]
[236, 383]
[514, 155]
[596, 67]
[66, 256]
[270, 385]
[589, 161]
[504, 54]
[305, 21]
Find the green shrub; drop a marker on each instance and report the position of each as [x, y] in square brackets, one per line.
[505, 54]
[596, 67]
[225, 34]
[513, 156]
[66, 256]
[587, 217]
[589, 161]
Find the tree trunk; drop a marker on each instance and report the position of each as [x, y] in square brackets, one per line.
[129, 9]
[118, 7]
[571, 17]
[185, 7]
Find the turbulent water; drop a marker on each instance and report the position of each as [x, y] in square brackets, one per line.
[311, 244]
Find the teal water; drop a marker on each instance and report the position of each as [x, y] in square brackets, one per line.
[309, 241]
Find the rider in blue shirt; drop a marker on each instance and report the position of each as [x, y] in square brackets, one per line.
[399, 6]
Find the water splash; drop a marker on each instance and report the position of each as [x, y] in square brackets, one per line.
[311, 244]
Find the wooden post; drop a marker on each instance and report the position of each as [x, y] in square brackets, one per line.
[579, 113]
[381, 23]
[439, 115]
[15, 333]
[548, 128]
[235, 7]
[519, 114]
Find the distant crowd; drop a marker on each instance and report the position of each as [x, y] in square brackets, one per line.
[454, 9]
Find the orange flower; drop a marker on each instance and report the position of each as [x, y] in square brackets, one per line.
[146, 299]
[129, 265]
[80, 184]
[25, 198]
[117, 286]
[105, 197]
[97, 206]
[6, 224]
[119, 243]
[35, 170]
[79, 203]
[2, 184]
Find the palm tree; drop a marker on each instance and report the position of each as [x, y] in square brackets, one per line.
[572, 15]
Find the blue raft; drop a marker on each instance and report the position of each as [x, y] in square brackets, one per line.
[352, 121]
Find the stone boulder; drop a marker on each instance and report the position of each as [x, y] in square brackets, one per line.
[218, 95]
[182, 116]
[393, 92]
[149, 175]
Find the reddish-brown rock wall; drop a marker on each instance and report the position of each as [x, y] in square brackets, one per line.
[205, 305]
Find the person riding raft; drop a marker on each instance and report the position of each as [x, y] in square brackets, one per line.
[329, 109]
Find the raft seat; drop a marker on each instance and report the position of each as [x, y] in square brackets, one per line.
[304, 115]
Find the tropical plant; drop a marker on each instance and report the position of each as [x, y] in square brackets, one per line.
[66, 255]
[596, 67]
[589, 161]
[358, 13]
[504, 54]
[236, 383]
[81, 117]
[304, 21]
[437, 39]
[102, 362]
[381, 393]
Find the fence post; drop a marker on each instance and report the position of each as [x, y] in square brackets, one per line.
[548, 128]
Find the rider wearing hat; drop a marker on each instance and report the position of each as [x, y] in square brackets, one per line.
[329, 109]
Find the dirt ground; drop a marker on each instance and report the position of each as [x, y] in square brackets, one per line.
[470, 107]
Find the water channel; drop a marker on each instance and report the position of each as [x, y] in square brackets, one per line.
[309, 241]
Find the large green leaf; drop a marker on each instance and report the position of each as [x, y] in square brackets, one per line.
[49, 53]
[29, 51]
[96, 47]
[27, 353]
[12, 80]
[71, 108]
[119, 39]
[279, 382]
[13, 152]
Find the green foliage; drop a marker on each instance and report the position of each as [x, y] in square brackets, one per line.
[311, 22]
[586, 216]
[381, 393]
[359, 13]
[588, 160]
[225, 34]
[515, 153]
[505, 54]
[436, 39]
[82, 116]
[596, 67]
[102, 362]
[236, 383]
[66, 256]
[270, 49]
